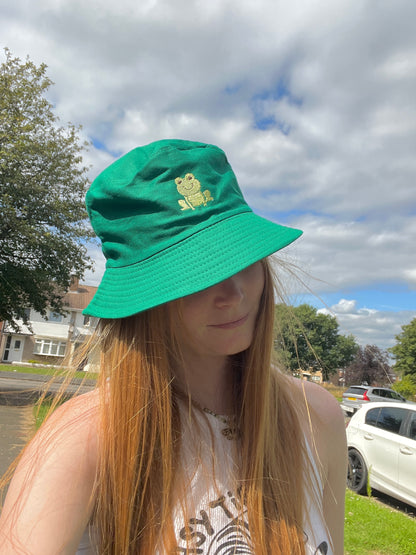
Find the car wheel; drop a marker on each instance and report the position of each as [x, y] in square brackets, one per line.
[357, 472]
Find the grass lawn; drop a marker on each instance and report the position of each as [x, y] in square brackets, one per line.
[41, 371]
[28, 369]
[374, 529]
[39, 412]
[335, 390]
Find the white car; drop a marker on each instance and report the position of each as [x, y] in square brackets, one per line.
[382, 450]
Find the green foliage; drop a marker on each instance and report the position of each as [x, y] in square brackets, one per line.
[371, 528]
[368, 487]
[40, 412]
[406, 387]
[405, 350]
[370, 365]
[306, 339]
[43, 227]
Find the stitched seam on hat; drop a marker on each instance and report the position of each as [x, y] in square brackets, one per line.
[198, 232]
[178, 245]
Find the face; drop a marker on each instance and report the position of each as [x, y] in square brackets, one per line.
[220, 320]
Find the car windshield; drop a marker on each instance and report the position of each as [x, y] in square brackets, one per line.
[356, 390]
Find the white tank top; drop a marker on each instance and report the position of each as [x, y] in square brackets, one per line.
[212, 505]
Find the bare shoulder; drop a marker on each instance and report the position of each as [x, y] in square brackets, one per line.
[69, 435]
[324, 408]
[81, 410]
[326, 433]
[73, 425]
[324, 423]
[49, 501]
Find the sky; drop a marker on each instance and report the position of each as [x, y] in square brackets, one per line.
[312, 100]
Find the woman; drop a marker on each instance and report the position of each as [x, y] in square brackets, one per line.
[192, 442]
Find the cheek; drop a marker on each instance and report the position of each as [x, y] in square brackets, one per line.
[192, 312]
[257, 281]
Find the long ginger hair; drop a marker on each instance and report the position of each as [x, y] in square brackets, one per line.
[141, 430]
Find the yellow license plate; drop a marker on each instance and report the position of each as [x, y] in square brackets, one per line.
[352, 398]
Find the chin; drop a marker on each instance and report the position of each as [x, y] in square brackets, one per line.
[234, 350]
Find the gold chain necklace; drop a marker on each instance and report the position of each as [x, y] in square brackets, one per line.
[231, 430]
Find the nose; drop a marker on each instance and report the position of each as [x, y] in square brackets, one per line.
[229, 292]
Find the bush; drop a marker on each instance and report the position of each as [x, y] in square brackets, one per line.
[406, 387]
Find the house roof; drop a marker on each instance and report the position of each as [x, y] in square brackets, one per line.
[79, 297]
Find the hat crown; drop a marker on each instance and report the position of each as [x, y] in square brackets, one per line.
[158, 195]
[172, 221]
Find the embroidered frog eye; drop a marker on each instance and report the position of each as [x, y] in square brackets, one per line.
[178, 180]
[189, 176]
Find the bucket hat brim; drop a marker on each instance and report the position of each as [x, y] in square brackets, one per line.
[202, 260]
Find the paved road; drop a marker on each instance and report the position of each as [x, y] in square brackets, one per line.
[16, 427]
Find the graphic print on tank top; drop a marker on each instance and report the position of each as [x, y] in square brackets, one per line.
[222, 530]
[216, 521]
[225, 531]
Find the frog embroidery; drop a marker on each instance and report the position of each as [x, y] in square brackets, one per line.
[190, 188]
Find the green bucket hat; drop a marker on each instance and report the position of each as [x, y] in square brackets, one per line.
[172, 221]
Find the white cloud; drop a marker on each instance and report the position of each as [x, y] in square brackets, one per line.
[93, 277]
[337, 77]
[410, 275]
[369, 326]
[346, 254]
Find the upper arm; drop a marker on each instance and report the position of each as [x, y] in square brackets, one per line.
[49, 501]
[334, 487]
[330, 439]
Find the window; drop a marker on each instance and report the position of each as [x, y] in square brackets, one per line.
[390, 419]
[55, 317]
[356, 390]
[412, 426]
[90, 321]
[17, 344]
[371, 417]
[50, 347]
[7, 348]
[394, 395]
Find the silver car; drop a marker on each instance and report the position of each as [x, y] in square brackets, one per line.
[357, 395]
[382, 450]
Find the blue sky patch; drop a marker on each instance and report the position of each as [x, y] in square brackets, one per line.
[392, 297]
[99, 145]
[265, 123]
[264, 120]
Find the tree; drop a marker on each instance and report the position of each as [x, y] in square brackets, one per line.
[43, 227]
[405, 350]
[310, 340]
[407, 387]
[370, 366]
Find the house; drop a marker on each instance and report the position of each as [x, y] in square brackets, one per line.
[52, 339]
[311, 376]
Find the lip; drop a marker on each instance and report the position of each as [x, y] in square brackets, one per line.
[230, 325]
